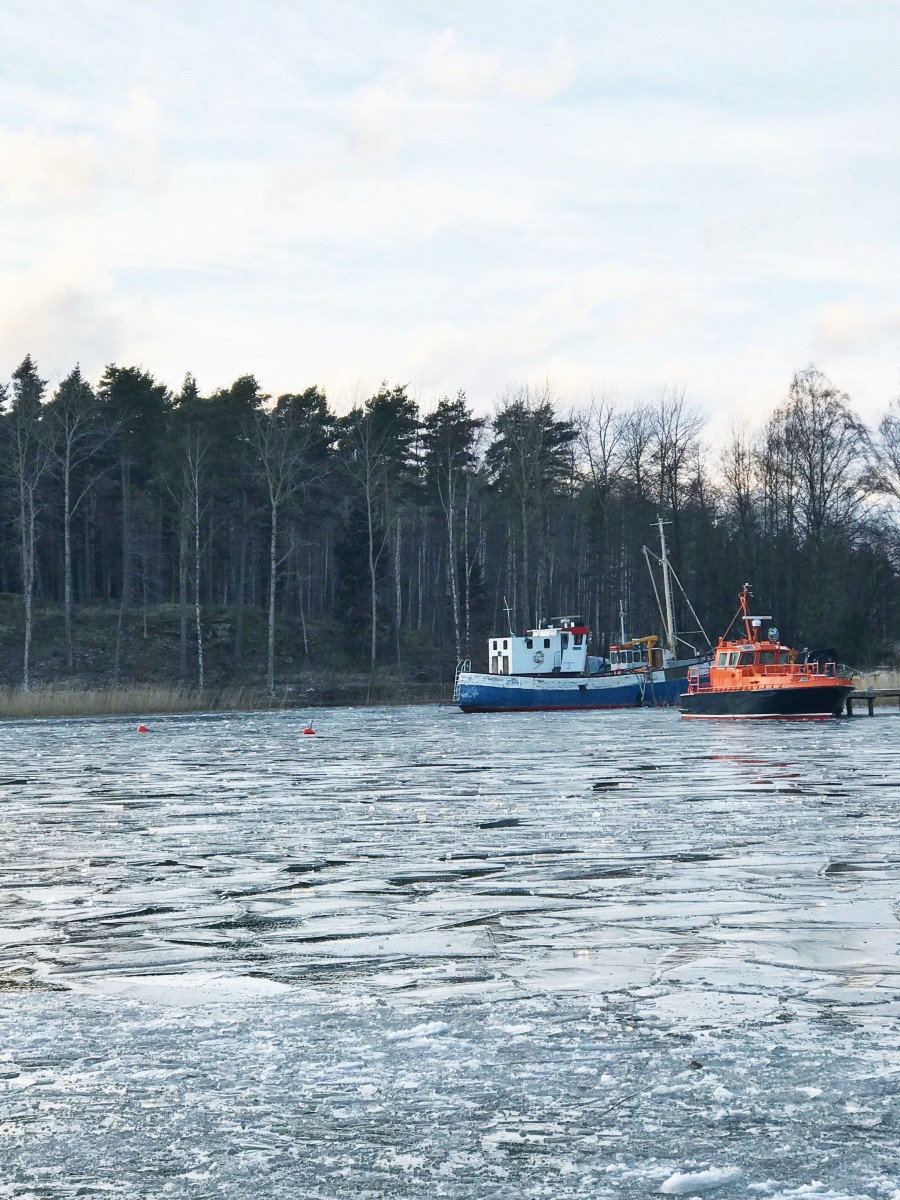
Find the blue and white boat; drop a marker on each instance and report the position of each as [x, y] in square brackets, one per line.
[550, 668]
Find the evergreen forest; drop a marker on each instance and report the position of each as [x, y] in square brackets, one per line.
[393, 538]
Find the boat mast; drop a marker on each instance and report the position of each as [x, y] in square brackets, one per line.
[621, 623]
[667, 588]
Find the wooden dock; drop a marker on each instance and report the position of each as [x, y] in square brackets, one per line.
[870, 695]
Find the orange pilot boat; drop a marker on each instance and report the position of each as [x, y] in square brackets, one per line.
[756, 677]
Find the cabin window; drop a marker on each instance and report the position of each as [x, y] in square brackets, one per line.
[505, 643]
[767, 657]
[733, 658]
[565, 640]
[579, 638]
[722, 660]
[528, 643]
[747, 658]
[546, 643]
[495, 645]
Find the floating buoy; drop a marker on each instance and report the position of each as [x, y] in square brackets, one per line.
[309, 729]
[142, 729]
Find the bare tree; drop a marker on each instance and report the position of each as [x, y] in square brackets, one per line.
[675, 426]
[531, 458]
[76, 435]
[450, 437]
[193, 470]
[738, 470]
[824, 450]
[30, 462]
[281, 441]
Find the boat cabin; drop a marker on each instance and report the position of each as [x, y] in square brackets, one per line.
[638, 654]
[558, 647]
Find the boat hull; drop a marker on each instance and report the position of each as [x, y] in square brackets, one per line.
[810, 702]
[477, 692]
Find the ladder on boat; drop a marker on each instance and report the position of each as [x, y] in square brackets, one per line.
[645, 685]
[464, 664]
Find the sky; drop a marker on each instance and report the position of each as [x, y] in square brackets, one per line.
[610, 198]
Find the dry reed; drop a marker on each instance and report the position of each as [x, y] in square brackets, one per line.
[138, 699]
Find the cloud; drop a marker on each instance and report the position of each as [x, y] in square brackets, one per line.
[457, 69]
[852, 325]
[374, 131]
[544, 80]
[138, 127]
[468, 73]
[62, 312]
[46, 168]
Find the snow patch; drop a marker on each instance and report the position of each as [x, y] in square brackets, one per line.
[432, 1029]
[683, 1182]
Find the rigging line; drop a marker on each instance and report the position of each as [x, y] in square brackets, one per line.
[731, 622]
[690, 606]
[647, 554]
[687, 598]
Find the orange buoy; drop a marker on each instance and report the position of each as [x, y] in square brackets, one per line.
[309, 729]
[142, 729]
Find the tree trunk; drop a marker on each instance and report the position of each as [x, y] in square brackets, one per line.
[182, 594]
[372, 579]
[273, 574]
[28, 590]
[452, 568]
[398, 596]
[67, 557]
[241, 586]
[199, 626]
[126, 568]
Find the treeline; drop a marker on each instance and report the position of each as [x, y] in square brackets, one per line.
[388, 528]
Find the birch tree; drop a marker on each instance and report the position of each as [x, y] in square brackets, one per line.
[76, 434]
[286, 443]
[30, 461]
[449, 439]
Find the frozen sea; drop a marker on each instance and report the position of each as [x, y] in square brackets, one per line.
[424, 954]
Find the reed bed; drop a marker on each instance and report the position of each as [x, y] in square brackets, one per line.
[135, 699]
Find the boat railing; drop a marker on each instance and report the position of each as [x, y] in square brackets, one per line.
[693, 679]
[827, 669]
[464, 664]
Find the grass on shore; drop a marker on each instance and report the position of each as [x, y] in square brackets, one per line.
[134, 699]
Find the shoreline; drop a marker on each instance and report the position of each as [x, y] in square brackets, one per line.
[61, 700]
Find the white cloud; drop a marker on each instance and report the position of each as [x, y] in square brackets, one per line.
[137, 124]
[459, 70]
[543, 80]
[468, 72]
[374, 130]
[38, 168]
[60, 310]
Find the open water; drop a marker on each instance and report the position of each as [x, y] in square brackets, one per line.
[424, 954]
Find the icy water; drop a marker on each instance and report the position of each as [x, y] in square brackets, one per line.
[424, 954]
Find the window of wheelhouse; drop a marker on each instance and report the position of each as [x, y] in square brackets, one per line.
[722, 659]
[768, 657]
[748, 657]
[733, 658]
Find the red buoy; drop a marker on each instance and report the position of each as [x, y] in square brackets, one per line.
[142, 729]
[309, 729]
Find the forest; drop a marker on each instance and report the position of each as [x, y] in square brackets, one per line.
[389, 537]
